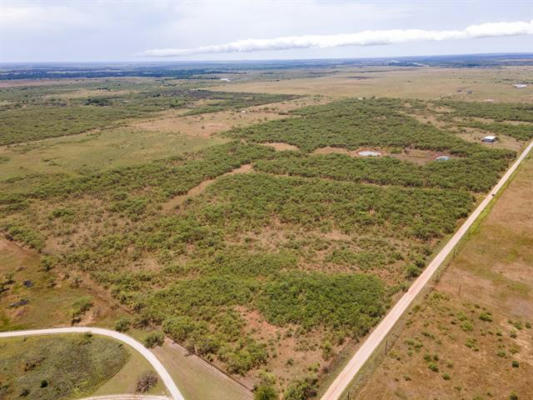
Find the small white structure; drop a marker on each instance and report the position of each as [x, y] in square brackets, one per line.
[520, 85]
[369, 153]
[442, 158]
[489, 139]
[225, 79]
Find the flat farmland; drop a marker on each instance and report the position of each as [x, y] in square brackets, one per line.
[424, 83]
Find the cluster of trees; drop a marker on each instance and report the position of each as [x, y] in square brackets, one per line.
[498, 117]
[355, 123]
[163, 178]
[475, 173]
[496, 111]
[245, 202]
[351, 303]
[519, 132]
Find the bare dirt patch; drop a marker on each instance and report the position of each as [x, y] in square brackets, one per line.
[279, 146]
[418, 156]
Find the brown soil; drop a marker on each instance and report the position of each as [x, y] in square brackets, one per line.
[418, 156]
[296, 353]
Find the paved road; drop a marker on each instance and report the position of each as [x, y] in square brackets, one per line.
[150, 357]
[377, 336]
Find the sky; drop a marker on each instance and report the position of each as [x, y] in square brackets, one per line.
[157, 30]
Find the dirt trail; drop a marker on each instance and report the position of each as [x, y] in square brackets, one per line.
[176, 201]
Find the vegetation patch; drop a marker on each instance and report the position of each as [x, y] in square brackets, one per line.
[57, 368]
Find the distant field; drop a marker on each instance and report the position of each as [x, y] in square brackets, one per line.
[472, 335]
[37, 113]
[424, 83]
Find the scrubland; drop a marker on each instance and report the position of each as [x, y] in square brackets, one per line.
[253, 246]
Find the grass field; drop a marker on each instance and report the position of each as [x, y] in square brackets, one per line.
[472, 335]
[423, 83]
[64, 367]
[227, 222]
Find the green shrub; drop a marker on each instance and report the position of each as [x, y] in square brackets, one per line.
[265, 392]
[303, 389]
[486, 316]
[80, 307]
[412, 271]
[154, 339]
[123, 324]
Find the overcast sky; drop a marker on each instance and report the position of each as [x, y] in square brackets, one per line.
[137, 30]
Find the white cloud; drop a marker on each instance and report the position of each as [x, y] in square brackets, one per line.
[34, 17]
[363, 38]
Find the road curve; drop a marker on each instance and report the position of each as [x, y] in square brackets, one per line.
[341, 382]
[173, 390]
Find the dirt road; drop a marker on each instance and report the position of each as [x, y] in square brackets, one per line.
[342, 381]
[172, 389]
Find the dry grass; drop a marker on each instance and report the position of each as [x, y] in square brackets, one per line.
[206, 125]
[50, 296]
[280, 146]
[426, 83]
[197, 379]
[492, 273]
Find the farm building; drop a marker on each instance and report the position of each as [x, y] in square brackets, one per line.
[442, 158]
[520, 85]
[489, 139]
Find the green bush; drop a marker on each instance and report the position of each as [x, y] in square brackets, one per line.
[265, 392]
[353, 302]
[154, 339]
[123, 324]
[303, 389]
[80, 307]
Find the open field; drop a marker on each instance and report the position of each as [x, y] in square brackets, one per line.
[471, 336]
[423, 83]
[247, 228]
